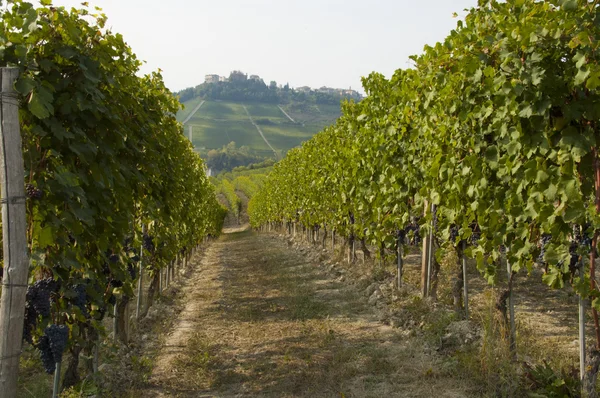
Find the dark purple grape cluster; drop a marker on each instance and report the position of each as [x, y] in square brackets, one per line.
[105, 269]
[148, 243]
[33, 192]
[475, 234]
[38, 302]
[581, 238]
[58, 335]
[46, 354]
[132, 269]
[113, 258]
[52, 345]
[415, 228]
[127, 244]
[401, 235]
[115, 283]
[101, 312]
[30, 323]
[38, 295]
[453, 233]
[546, 238]
[574, 260]
[132, 257]
[80, 299]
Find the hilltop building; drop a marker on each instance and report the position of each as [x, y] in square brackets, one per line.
[238, 76]
[211, 78]
[214, 79]
[331, 91]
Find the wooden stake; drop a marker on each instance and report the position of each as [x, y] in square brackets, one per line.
[115, 322]
[56, 384]
[465, 282]
[140, 277]
[595, 245]
[14, 224]
[400, 266]
[581, 328]
[511, 308]
[333, 240]
[424, 257]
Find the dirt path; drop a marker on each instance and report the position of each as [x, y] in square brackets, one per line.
[191, 115]
[261, 133]
[286, 114]
[262, 319]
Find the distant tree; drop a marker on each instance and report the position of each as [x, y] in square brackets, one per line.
[273, 85]
[229, 157]
[230, 148]
[237, 76]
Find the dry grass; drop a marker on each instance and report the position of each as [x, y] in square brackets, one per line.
[261, 320]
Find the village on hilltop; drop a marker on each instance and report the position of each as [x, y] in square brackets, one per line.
[212, 78]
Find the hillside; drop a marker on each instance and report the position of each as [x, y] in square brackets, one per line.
[217, 123]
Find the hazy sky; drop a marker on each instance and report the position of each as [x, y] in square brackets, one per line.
[304, 42]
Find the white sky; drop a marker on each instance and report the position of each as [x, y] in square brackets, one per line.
[304, 42]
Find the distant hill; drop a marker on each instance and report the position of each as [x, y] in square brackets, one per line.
[263, 121]
[216, 124]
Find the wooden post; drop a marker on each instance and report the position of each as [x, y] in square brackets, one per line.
[140, 277]
[95, 359]
[160, 282]
[581, 327]
[168, 275]
[511, 308]
[127, 324]
[14, 224]
[400, 265]
[430, 251]
[115, 322]
[465, 281]
[333, 240]
[424, 258]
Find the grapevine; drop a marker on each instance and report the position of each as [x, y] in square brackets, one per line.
[103, 156]
[497, 126]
